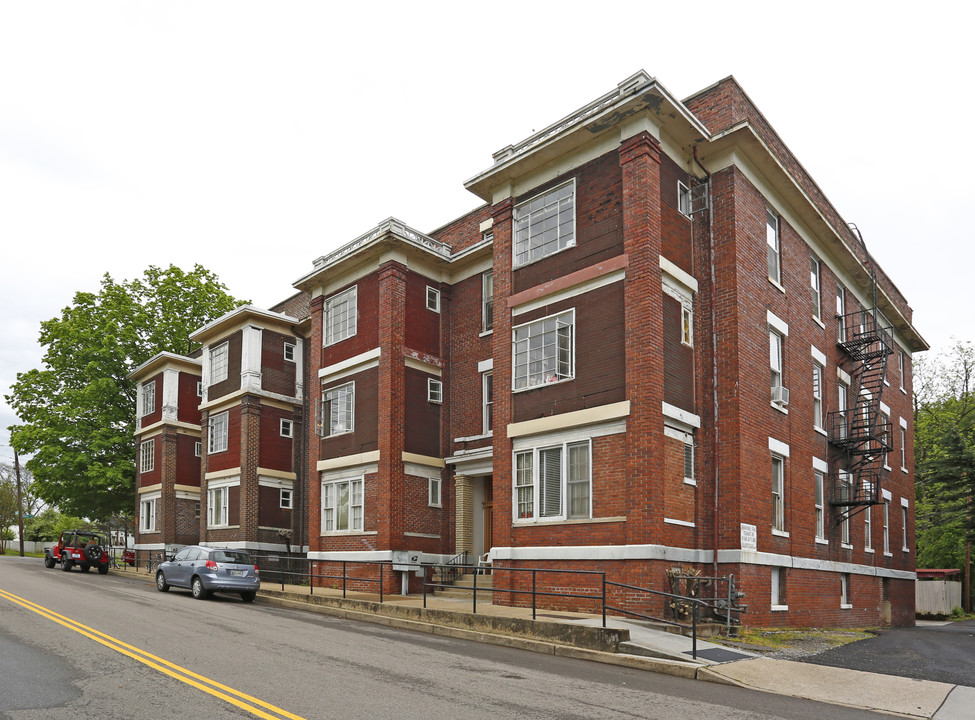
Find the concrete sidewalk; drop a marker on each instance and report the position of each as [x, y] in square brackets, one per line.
[633, 644]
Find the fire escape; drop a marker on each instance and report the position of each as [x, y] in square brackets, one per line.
[859, 432]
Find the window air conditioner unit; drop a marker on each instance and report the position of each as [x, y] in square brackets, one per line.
[780, 395]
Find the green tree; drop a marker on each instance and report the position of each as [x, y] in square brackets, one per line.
[48, 526]
[8, 511]
[78, 411]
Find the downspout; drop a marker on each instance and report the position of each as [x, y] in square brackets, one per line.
[714, 372]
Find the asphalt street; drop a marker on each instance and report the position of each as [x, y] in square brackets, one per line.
[931, 651]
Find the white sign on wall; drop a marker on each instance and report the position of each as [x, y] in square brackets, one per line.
[749, 537]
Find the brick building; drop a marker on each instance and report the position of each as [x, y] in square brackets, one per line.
[573, 376]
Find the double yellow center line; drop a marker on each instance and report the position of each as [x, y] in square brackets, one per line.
[251, 704]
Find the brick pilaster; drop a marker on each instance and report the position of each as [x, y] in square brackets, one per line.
[501, 350]
[464, 527]
[250, 455]
[313, 397]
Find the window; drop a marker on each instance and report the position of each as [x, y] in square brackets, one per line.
[842, 392]
[285, 499]
[776, 342]
[218, 363]
[885, 436]
[900, 369]
[433, 299]
[487, 401]
[543, 351]
[545, 224]
[197, 448]
[342, 506]
[817, 396]
[553, 482]
[867, 529]
[289, 352]
[845, 490]
[340, 313]
[778, 493]
[778, 589]
[845, 591]
[339, 405]
[886, 527]
[287, 428]
[148, 519]
[148, 398]
[689, 461]
[683, 198]
[434, 390]
[820, 479]
[903, 448]
[686, 326]
[199, 389]
[814, 286]
[772, 241]
[487, 301]
[196, 510]
[147, 456]
[433, 492]
[217, 502]
[904, 546]
[218, 434]
[841, 313]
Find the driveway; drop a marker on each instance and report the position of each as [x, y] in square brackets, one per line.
[943, 652]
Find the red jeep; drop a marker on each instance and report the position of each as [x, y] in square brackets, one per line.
[84, 548]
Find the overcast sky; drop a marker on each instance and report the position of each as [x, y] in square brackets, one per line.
[252, 137]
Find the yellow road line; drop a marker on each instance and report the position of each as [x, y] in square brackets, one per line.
[189, 677]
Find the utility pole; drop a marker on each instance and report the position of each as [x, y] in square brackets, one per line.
[20, 505]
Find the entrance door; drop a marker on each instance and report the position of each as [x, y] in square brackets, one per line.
[488, 513]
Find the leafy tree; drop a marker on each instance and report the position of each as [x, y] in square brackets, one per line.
[28, 491]
[48, 526]
[8, 511]
[78, 411]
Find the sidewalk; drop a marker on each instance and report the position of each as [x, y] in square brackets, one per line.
[633, 644]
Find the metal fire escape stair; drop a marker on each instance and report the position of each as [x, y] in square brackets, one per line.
[860, 433]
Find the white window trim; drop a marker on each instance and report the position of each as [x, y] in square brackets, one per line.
[289, 349]
[435, 391]
[776, 248]
[905, 506]
[845, 592]
[572, 353]
[487, 406]
[683, 199]
[352, 529]
[775, 575]
[147, 521]
[820, 397]
[286, 493]
[199, 388]
[198, 449]
[778, 499]
[903, 434]
[820, 475]
[215, 513]
[287, 428]
[213, 447]
[816, 286]
[515, 218]
[434, 486]
[433, 299]
[487, 300]
[218, 350]
[868, 529]
[328, 421]
[148, 398]
[535, 451]
[147, 456]
[352, 325]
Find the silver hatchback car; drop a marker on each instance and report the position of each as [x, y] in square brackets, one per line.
[206, 570]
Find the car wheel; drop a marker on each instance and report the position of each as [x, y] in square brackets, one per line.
[103, 569]
[49, 561]
[84, 567]
[161, 584]
[248, 596]
[67, 564]
[199, 592]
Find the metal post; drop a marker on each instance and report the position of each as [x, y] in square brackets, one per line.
[475, 592]
[311, 579]
[424, 588]
[604, 600]
[343, 579]
[694, 632]
[381, 566]
[534, 573]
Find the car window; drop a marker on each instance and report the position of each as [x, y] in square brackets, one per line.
[183, 554]
[231, 556]
[194, 553]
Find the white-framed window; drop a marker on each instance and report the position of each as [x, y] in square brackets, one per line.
[777, 599]
[218, 500]
[198, 448]
[845, 491]
[148, 398]
[900, 369]
[487, 301]
[545, 224]
[845, 600]
[903, 448]
[287, 428]
[815, 288]
[776, 343]
[340, 314]
[778, 493]
[886, 526]
[885, 436]
[840, 313]
[544, 351]
[342, 505]
[434, 390]
[433, 299]
[147, 456]
[196, 510]
[689, 476]
[487, 401]
[219, 426]
[904, 546]
[554, 482]
[842, 398]
[819, 478]
[219, 361]
[867, 529]
[683, 199]
[199, 388]
[289, 352]
[339, 404]
[818, 376]
[147, 521]
[433, 492]
[773, 246]
[686, 325]
[285, 499]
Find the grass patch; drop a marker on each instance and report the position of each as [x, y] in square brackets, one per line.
[16, 551]
[787, 638]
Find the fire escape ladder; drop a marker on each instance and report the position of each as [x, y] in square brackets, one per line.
[860, 433]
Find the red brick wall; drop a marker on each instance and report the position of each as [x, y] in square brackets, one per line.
[678, 359]
[277, 374]
[365, 436]
[188, 399]
[271, 513]
[422, 325]
[187, 462]
[675, 227]
[466, 348]
[232, 383]
[277, 452]
[154, 476]
[422, 426]
[230, 458]
[156, 415]
[367, 329]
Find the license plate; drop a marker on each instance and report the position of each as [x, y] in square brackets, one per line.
[238, 573]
